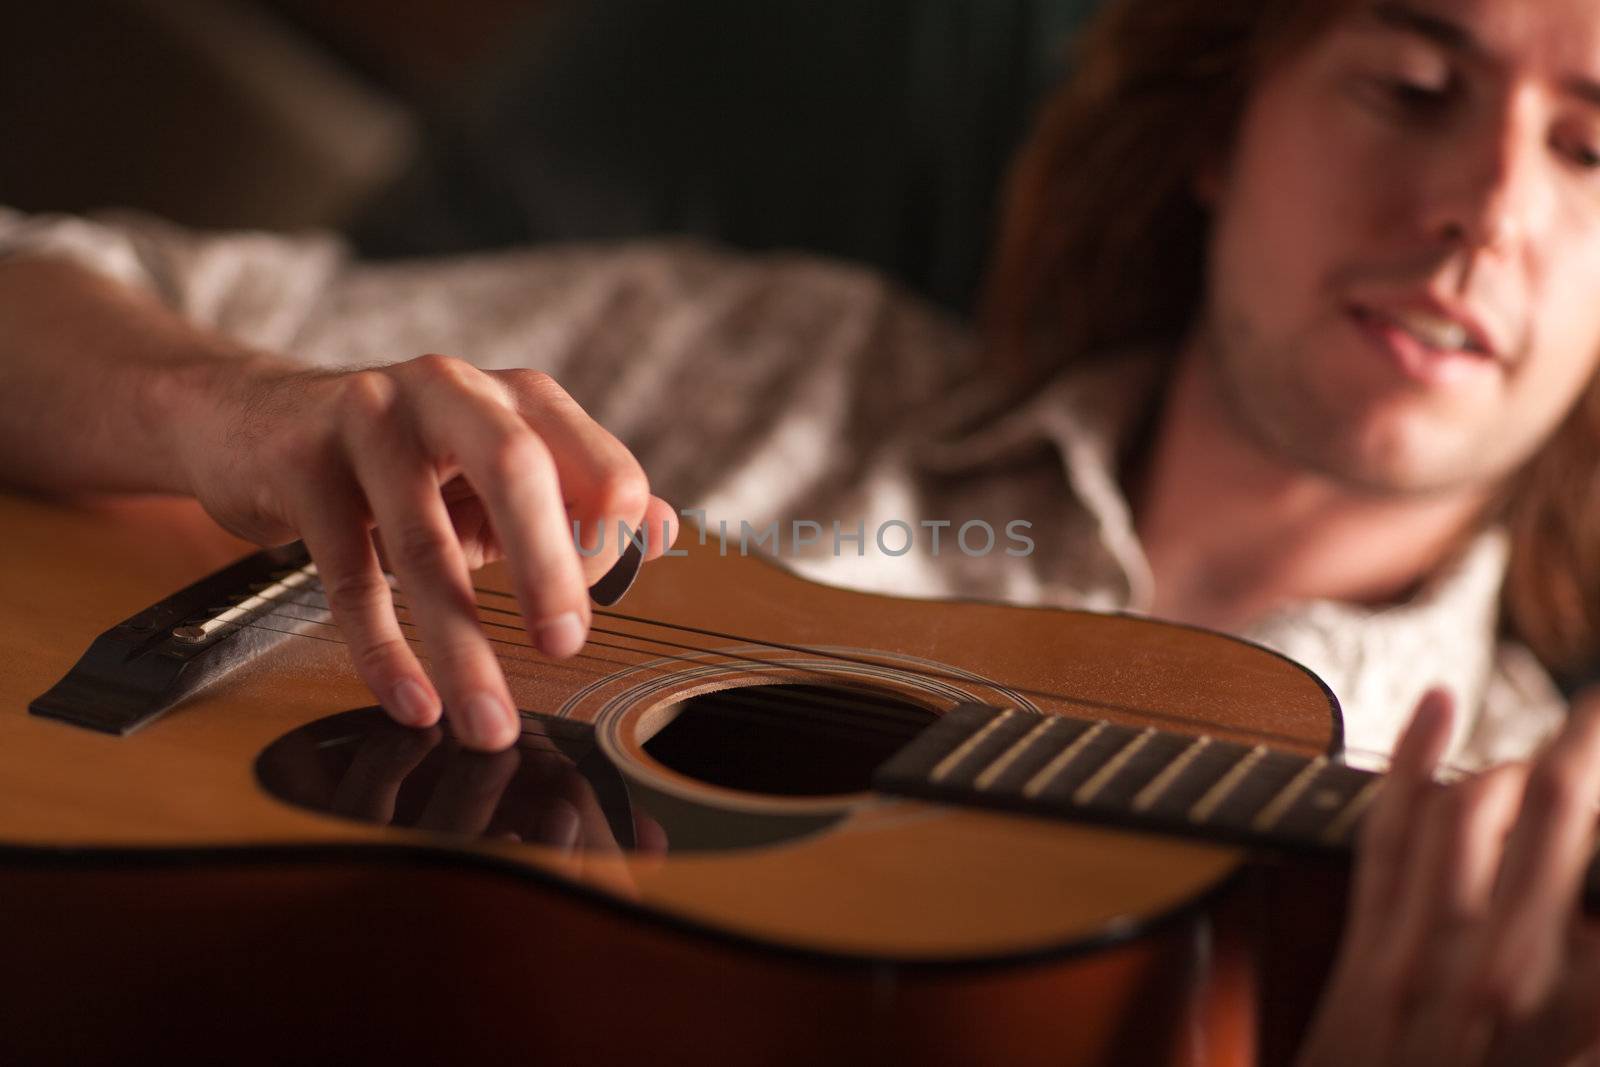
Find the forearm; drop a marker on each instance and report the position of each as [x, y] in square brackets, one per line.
[103, 387]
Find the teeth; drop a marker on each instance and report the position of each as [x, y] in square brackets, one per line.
[1434, 331]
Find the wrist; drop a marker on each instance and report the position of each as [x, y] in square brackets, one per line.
[190, 407]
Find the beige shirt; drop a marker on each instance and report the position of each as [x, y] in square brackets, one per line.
[782, 388]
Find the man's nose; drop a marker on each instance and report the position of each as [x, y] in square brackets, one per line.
[1490, 189]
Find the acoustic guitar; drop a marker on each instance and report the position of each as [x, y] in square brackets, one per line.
[756, 820]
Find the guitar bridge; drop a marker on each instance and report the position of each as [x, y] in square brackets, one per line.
[146, 664]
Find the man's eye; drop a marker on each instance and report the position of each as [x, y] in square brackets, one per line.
[1583, 152]
[1418, 96]
[1585, 156]
[1406, 98]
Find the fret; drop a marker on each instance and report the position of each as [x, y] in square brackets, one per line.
[1266, 779]
[1095, 750]
[1338, 830]
[1279, 805]
[1109, 769]
[1145, 778]
[934, 743]
[1060, 766]
[1321, 801]
[944, 767]
[1027, 764]
[1048, 772]
[1007, 759]
[1154, 755]
[1169, 774]
[997, 742]
[1214, 796]
[1204, 769]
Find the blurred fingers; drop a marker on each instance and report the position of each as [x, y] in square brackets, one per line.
[1442, 907]
[1546, 855]
[1386, 842]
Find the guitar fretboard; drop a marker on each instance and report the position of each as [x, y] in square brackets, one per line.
[1083, 769]
[1189, 784]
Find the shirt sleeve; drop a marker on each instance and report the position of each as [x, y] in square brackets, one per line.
[751, 378]
[258, 287]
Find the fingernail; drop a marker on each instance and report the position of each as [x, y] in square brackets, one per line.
[486, 719]
[412, 703]
[561, 636]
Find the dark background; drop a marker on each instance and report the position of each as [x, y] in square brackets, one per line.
[875, 130]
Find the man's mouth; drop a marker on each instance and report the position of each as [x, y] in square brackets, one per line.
[1432, 346]
[1440, 333]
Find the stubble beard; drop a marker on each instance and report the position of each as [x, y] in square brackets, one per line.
[1264, 393]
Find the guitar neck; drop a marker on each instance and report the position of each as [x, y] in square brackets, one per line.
[1192, 785]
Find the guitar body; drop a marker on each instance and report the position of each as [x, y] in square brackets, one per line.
[160, 894]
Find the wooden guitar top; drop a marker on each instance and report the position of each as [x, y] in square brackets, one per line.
[882, 879]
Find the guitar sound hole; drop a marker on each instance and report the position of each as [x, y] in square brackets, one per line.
[787, 740]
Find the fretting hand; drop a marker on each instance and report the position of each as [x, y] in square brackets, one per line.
[1465, 944]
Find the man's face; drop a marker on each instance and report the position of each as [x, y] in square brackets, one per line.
[1404, 278]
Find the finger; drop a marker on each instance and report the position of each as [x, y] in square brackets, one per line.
[471, 522]
[660, 529]
[334, 527]
[515, 476]
[467, 518]
[1385, 845]
[403, 492]
[1359, 1004]
[1578, 1008]
[1460, 833]
[1567, 1029]
[602, 484]
[1546, 854]
[661, 520]
[1442, 909]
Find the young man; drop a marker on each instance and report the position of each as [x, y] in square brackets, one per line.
[1301, 290]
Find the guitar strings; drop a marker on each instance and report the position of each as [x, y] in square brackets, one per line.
[857, 716]
[1114, 709]
[918, 672]
[1446, 771]
[1117, 710]
[908, 715]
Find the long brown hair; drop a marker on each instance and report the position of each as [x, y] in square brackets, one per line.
[1102, 243]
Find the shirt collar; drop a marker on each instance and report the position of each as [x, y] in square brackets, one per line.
[1378, 660]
